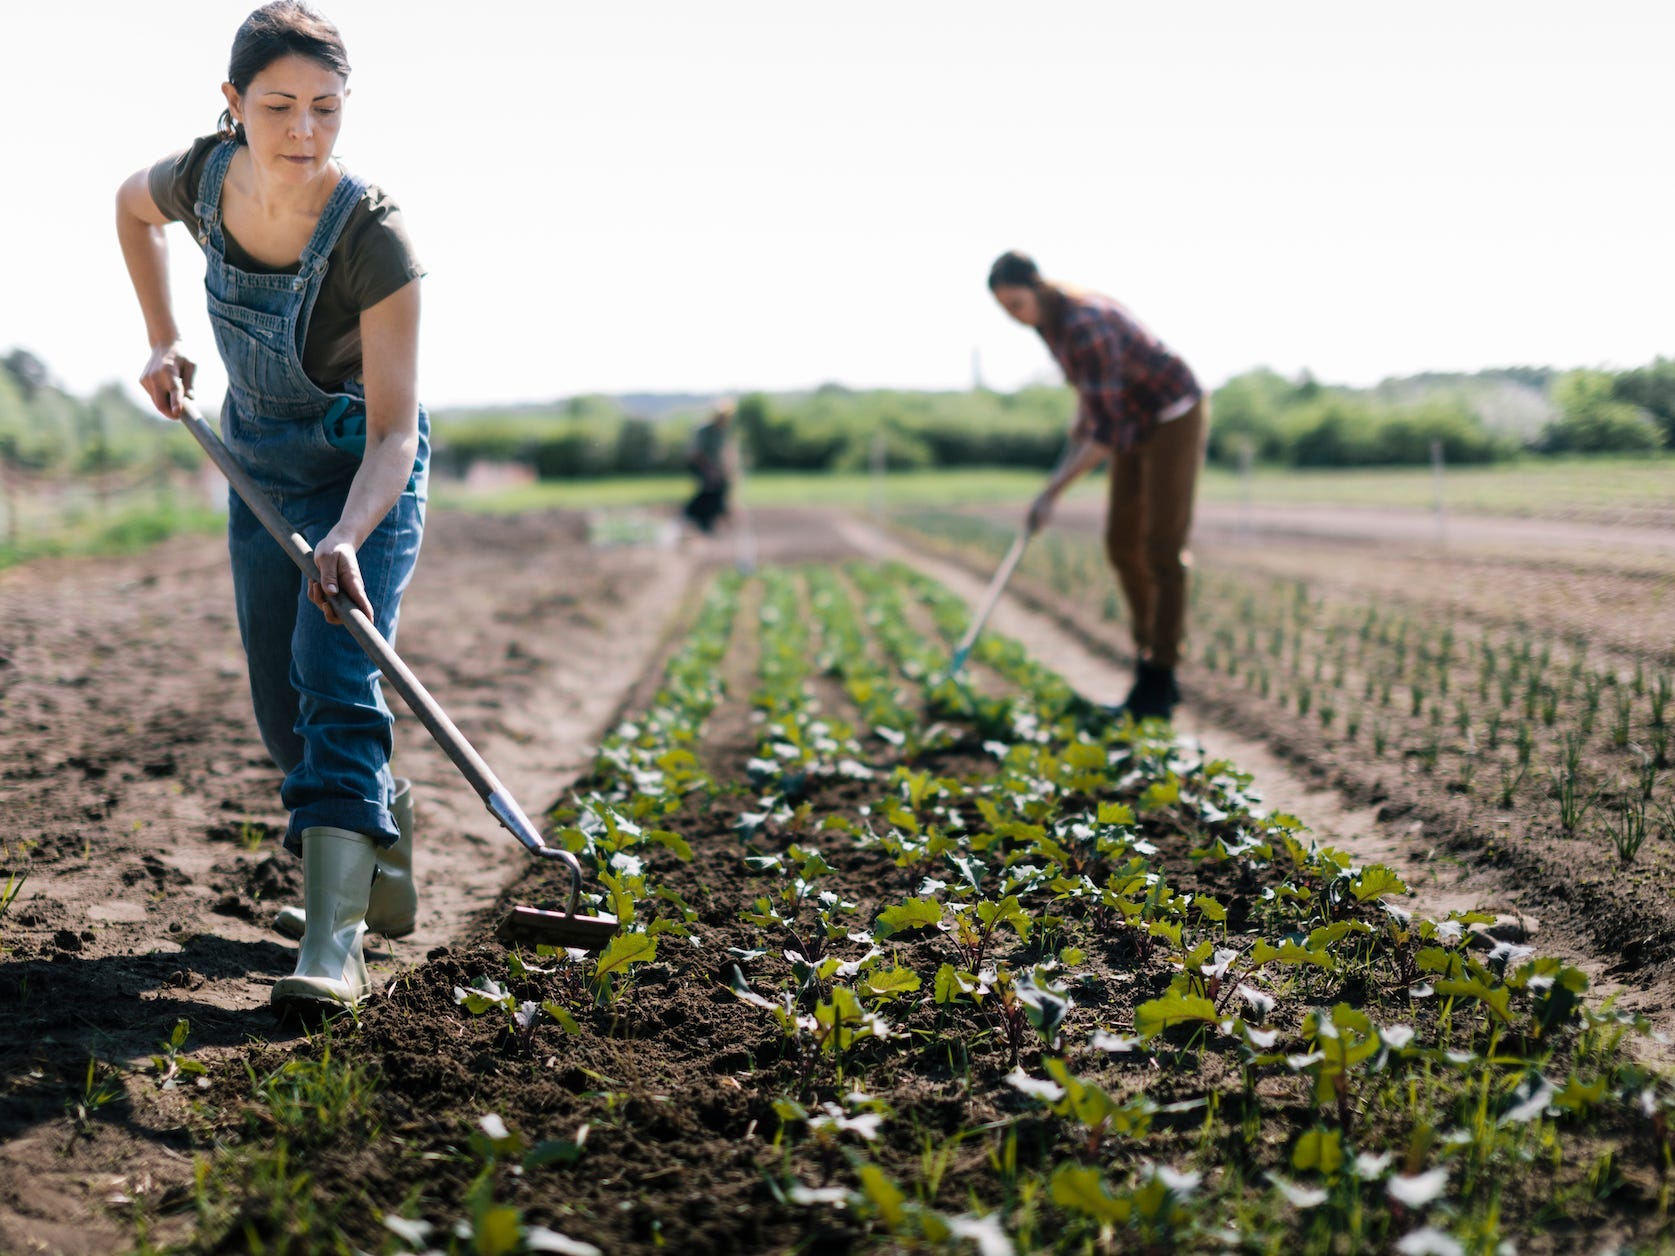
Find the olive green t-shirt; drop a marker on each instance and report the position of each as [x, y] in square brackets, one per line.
[371, 259]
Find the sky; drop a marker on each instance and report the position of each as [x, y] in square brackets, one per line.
[671, 196]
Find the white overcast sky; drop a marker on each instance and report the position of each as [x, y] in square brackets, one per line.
[666, 196]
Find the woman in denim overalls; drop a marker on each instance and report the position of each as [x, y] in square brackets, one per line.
[346, 467]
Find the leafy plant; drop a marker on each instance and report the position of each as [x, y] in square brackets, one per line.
[171, 1066]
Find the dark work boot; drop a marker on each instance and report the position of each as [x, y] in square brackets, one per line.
[1154, 694]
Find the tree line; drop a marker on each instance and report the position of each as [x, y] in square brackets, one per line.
[47, 431]
[1259, 415]
[1485, 417]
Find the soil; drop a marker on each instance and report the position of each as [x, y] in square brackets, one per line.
[141, 807]
[144, 812]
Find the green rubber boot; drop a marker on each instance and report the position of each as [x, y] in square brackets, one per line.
[394, 906]
[337, 868]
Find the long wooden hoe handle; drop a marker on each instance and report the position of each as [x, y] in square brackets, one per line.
[996, 587]
[495, 796]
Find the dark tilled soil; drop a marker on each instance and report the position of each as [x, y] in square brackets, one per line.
[142, 815]
[140, 807]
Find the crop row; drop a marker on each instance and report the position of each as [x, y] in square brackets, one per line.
[1518, 719]
[1054, 987]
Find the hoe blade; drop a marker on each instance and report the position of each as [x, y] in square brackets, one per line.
[557, 928]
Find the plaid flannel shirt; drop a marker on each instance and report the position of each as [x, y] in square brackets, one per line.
[1124, 376]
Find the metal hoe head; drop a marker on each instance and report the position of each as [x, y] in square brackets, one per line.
[559, 928]
[536, 925]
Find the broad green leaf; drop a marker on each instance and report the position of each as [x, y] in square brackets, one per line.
[1083, 1190]
[1434, 959]
[1376, 882]
[1164, 793]
[1005, 912]
[1052, 851]
[1498, 999]
[672, 841]
[902, 818]
[626, 949]
[893, 984]
[562, 1015]
[1209, 908]
[1115, 813]
[951, 983]
[556, 1151]
[1318, 1150]
[1167, 930]
[1579, 1097]
[883, 1194]
[1018, 831]
[496, 1231]
[1154, 1016]
[915, 913]
[1085, 755]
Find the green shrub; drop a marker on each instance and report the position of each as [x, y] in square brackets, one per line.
[1593, 420]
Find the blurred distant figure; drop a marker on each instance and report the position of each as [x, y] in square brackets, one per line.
[1140, 406]
[710, 459]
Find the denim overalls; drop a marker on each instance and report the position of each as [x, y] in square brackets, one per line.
[318, 704]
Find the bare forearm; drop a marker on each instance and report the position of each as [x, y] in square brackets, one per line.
[145, 250]
[386, 467]
[1080, 458]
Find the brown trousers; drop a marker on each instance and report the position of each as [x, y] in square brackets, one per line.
[1146, 529]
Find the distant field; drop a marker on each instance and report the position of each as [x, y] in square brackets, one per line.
[1571, 487]
[1532, 487]
[1640, 490]
[933, 488]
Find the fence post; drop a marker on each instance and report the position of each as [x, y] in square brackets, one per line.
[879, 446]
[1247, 456]
[1436, 481]
[8, 484]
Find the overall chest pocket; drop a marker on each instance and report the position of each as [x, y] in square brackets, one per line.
[258, 351]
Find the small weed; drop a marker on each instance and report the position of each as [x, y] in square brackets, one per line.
[171, 1065]
[1620, 726]
[1628, 827]
[102, 1086]
[1511, 779]
[1574, 799]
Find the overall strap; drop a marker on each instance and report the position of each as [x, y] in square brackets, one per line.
[333, 218]
[311, 271]
[208, 206]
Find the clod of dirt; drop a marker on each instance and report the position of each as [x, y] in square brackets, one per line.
[233, 905]
[274, 878]
[67, 940]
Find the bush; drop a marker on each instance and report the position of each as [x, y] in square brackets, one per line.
[1652, 388]
[1592, 419]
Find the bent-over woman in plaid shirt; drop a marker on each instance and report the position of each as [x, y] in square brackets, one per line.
[1140, 407]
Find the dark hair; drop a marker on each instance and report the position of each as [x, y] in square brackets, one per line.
[276, 30]
[1013, 269]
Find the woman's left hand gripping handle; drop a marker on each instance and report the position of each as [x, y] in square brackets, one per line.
[340, 572]
[168, 379]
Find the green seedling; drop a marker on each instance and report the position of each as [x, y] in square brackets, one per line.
[171, 1066]
[1574, 798]
[1627, 827]
[1511, 778]
[101, 1087]
[12, 888]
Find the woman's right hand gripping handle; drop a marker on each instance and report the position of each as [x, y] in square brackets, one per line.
[167, 379]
